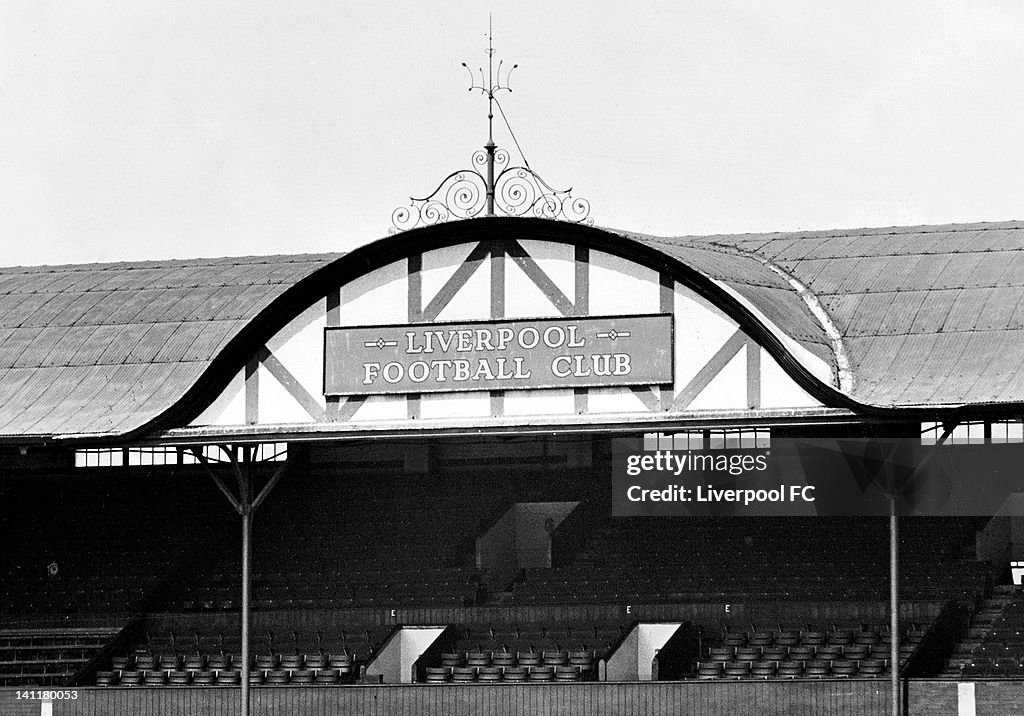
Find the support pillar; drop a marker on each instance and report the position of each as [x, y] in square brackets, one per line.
[246, 559]
[245, 505]
[894, 606]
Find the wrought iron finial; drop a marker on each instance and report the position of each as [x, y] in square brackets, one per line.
[493, 85]
[513, 190]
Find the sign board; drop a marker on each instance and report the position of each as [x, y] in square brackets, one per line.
[499, 355]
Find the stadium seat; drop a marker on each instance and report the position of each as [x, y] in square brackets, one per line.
[203, 678]
[709, 669]
[276, 677]
[328, 676]
[131, 678]
[315, 661]
[289, 662]
[515, 674]
[302, 676]
[541, 673]
[871, 667]
[228, 678]
[463, 673]
[790, 669]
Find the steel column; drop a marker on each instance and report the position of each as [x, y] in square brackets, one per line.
[894, 605]
[246, 553]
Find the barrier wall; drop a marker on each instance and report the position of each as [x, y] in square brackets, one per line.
[849, 697]
[795, 698]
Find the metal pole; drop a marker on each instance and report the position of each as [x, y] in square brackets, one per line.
[490, 146]
[894, 600]
[244, 666]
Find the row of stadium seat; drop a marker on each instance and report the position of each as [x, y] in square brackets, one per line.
[842, 651]
[265, 662]
[582, 660]
[276, 677]
[790, 668]
[798, 653]
[510, 674]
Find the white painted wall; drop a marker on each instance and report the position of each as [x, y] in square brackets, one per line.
[380, 297]
[394, 661]
[633, 660]
[228, 408]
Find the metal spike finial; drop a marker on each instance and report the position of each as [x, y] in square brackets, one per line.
[514, 190]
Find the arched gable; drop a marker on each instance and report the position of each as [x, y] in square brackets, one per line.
[722, 352]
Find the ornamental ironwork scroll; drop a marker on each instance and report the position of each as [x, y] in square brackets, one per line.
[518, 191]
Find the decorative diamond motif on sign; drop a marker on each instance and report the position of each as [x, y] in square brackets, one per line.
[380, 343]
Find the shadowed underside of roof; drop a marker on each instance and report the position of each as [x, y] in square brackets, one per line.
[918, 317]
[104, 348]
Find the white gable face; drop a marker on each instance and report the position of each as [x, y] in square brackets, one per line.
[585, 306]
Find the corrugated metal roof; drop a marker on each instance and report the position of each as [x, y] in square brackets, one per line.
[100, 348]
[929, 316]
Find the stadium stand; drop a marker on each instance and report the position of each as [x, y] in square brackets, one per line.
[48, 657]
[994, 644]
[466, 538]
[423, 556]
[644, 559]
[207, 659]
[836, 651]
[521, 653]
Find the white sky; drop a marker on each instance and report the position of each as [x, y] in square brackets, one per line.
[137, 130]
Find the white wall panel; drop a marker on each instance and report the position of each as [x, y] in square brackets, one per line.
[379, 408]
[778, 390]
[455, 405]
[618, 286]
[701, 330]
[300, 348]
[439, 265]
[228, 408]
[728, 390]
[558, 261]
[379, 297]
[472, 302]
[523, 299]
[276, 404]
[539, 402]
[614, 400]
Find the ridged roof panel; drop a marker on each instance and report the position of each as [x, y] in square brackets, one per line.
[930, 316]
[91, 349]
